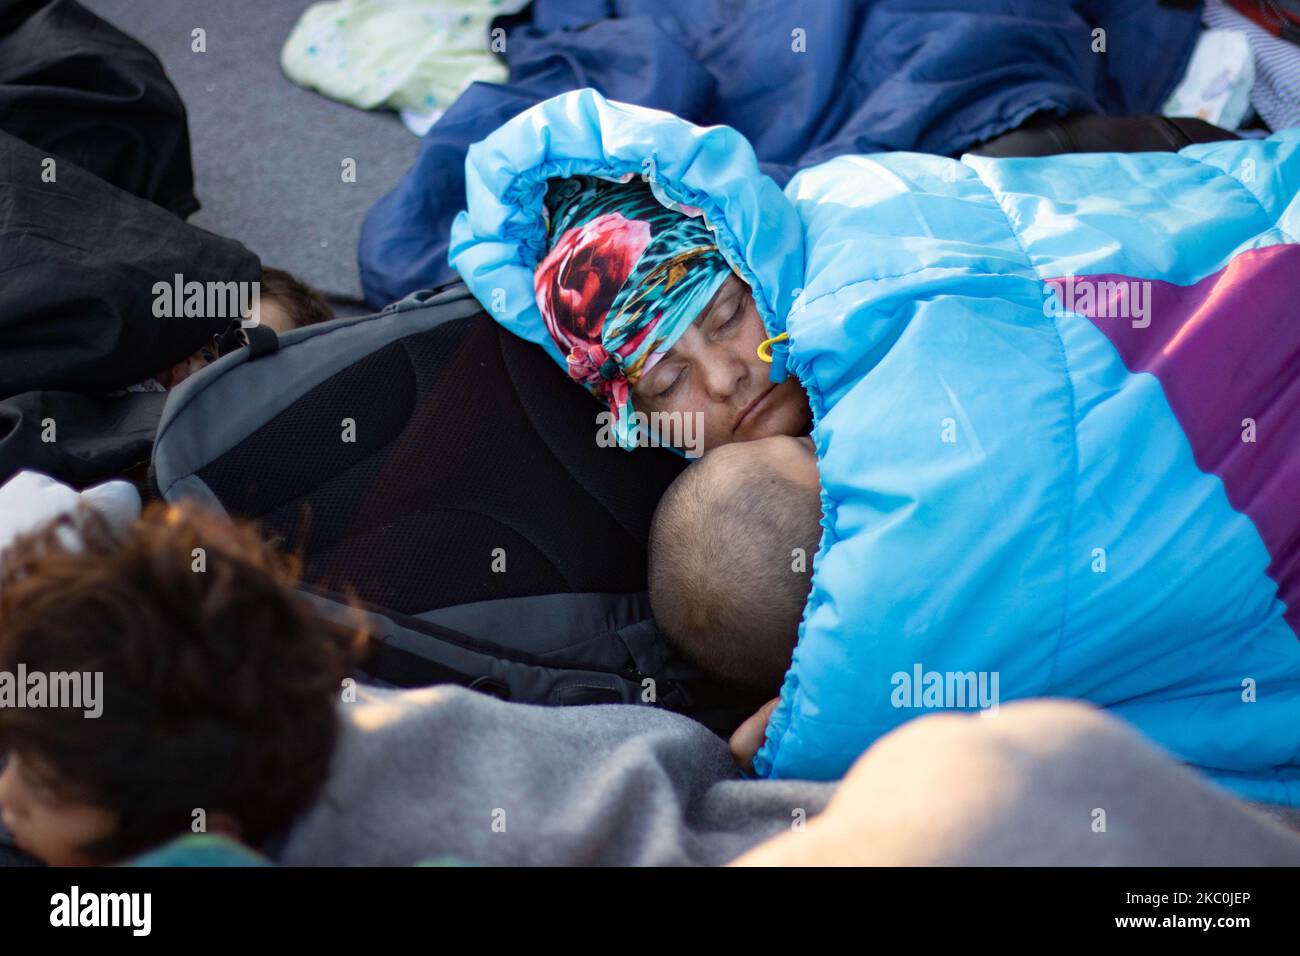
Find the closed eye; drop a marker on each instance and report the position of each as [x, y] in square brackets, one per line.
[730, 322]
[671, 386]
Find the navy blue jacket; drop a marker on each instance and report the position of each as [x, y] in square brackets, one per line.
[803, 82]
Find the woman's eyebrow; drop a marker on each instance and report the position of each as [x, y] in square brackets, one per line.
[653, 377]
[726, 292]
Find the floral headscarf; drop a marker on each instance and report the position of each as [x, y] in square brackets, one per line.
[623, 277]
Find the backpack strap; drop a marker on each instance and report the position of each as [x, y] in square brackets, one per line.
[259, 339]
[402, 668]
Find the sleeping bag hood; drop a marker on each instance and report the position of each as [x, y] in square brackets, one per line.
[1057, 417]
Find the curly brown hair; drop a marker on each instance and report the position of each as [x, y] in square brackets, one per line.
[219, 680]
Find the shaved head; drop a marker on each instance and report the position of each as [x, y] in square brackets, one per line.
[731, 551]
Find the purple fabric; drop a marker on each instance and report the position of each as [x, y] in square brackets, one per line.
[1227, 349]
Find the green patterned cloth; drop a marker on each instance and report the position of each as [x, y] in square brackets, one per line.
[201, 849]
[416, 56]
[208, 849]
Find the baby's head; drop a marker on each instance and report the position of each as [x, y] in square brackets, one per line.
[214, 686]
[731, 551]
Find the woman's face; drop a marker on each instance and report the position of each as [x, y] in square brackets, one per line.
[714, 370]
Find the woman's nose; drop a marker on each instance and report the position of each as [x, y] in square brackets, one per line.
[724, 374]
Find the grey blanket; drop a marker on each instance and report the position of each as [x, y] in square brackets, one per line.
[445, 772]
[449, 772]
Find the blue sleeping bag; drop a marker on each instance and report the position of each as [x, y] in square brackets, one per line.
[1057, 407]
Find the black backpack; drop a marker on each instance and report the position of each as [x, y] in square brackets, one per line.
[444, 475]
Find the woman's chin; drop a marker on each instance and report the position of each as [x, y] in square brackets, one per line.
[786, 413]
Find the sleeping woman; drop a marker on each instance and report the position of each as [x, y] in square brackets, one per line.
[1053, 407]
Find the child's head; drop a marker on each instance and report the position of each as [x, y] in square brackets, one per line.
[285, 303]
[731, 551]
[288, 303]
[217, 694]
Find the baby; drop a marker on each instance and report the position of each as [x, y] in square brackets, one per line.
[731, 553]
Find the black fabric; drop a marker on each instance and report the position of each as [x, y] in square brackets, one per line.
[1047, 135]
[80, 439]
[77, 88]
[79, 260]
[95, 180]
[467, 440]
[565, 417]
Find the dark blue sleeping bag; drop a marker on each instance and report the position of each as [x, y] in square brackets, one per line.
[802, 82]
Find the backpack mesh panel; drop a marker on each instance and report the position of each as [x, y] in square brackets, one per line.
[447, 465]
[286, 457]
